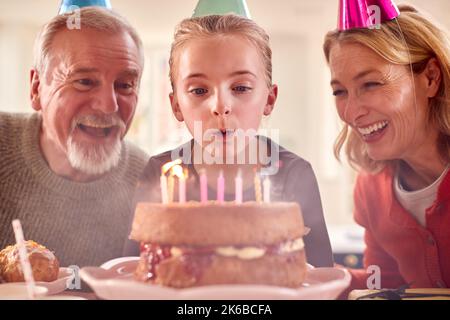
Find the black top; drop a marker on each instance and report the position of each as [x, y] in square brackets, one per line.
[294, 182]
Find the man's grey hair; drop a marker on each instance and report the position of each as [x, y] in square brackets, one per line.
[96, 18]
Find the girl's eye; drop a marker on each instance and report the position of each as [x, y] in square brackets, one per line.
[241, 89]
[198, 91]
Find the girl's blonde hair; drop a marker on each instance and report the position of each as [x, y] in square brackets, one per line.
[424, 40]
[221, 25]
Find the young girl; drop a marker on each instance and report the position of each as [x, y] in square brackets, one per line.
[221, 74]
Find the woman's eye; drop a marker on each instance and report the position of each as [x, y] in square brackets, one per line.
[338, 93]
[198, 91]
[369, 85]
[241, 89]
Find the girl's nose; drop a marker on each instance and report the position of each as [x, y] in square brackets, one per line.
[221, 108]
[225, 112]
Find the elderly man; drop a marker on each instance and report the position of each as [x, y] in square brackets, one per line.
[64, 170]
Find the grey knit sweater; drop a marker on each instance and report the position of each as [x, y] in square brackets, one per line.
[83, 223]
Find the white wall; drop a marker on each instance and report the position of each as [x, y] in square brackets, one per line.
[16, 43]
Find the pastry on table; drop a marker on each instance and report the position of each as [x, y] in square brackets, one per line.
[43, 262]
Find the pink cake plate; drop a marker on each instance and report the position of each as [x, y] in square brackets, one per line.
[114, 281]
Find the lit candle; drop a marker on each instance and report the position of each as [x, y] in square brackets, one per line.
[163, 183]
[178, 171]
[170, 187]
[182, 189]
[257, 182]
[203, 186]
[266, 185]
[183, 186]
[238, 187]
[23, 255]
[167, 186]
[220, 188]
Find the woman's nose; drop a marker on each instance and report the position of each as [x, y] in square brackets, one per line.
[354, 109]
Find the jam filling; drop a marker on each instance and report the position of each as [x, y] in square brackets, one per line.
[153, 254]
[194, 259]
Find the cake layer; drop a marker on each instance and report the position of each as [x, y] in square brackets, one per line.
[286, 270]
[227, 224]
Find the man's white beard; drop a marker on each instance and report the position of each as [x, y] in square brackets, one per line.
[94, 160]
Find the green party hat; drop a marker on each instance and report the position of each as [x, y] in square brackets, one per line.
[220, 7]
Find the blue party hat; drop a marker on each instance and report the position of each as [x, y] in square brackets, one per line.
[69, 5]
[220, 7]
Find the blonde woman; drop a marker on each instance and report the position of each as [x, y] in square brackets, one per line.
[392, 92]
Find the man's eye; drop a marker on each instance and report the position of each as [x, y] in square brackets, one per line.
[125, 86]
[199, 91]
[85, 82]
[241, 89]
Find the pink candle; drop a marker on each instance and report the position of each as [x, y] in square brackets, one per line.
[238, 187]
[203, 186]
[177, 171]
[182, 189]
[220, 188]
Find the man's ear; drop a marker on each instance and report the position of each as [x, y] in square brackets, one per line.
[175, 107]
[34, 89]
[271, 99]
[433, 77]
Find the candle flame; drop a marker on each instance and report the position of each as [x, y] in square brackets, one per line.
[169, 165]
[177, 171]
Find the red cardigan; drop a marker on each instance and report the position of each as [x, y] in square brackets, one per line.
[404, 250]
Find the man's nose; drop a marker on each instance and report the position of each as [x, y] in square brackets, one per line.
[106, 100]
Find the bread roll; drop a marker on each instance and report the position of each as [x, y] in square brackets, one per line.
[44, 264]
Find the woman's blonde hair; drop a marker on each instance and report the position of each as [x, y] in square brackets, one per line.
[221, 25]
[97, 18]
[424, 40]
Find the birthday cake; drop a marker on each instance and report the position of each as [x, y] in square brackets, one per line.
[195, 244]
